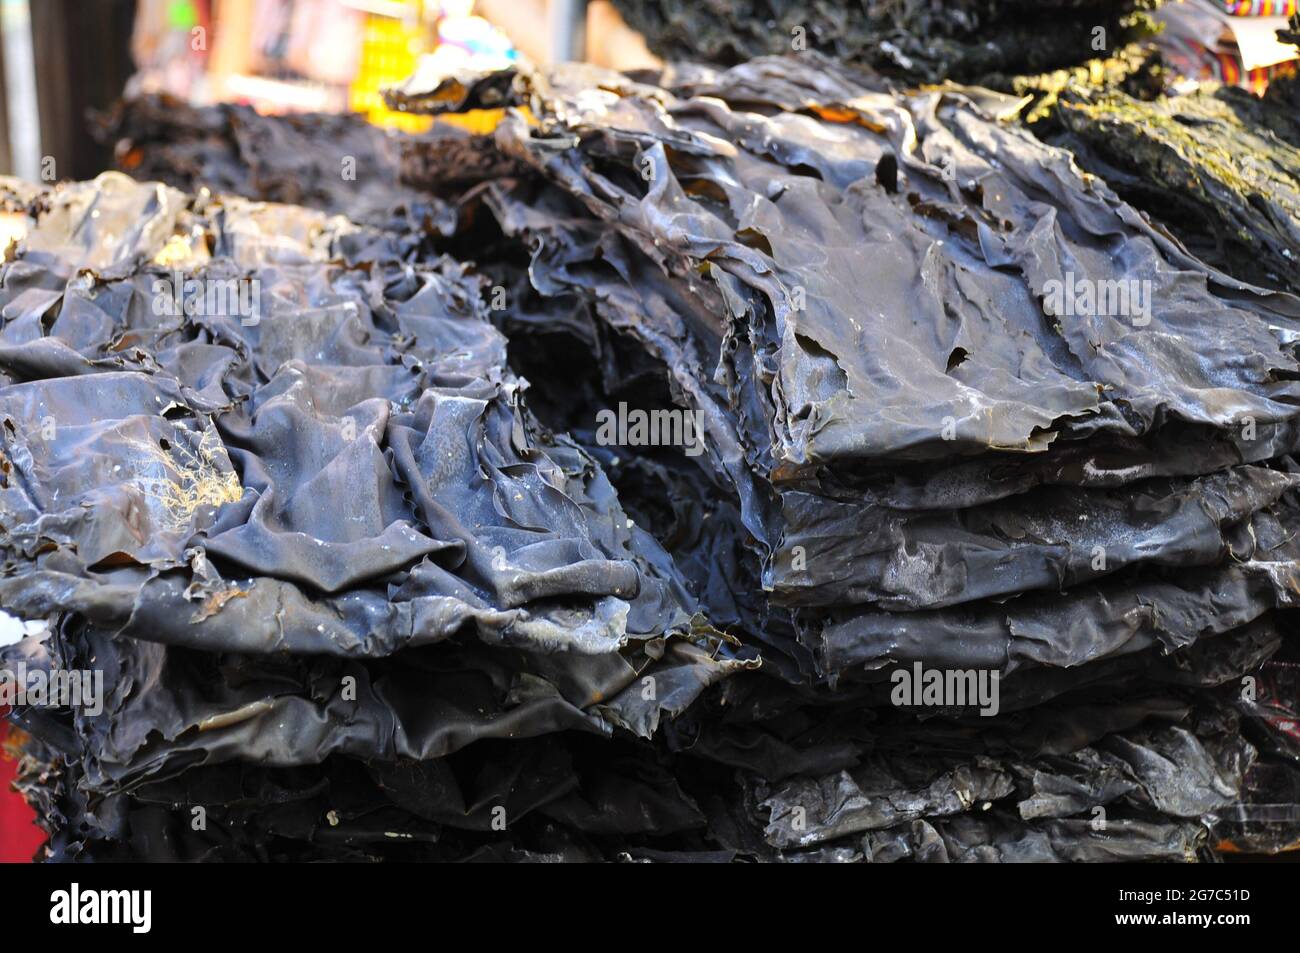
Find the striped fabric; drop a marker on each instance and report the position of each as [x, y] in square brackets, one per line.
[1261, 8]
[1193, 60]
[1227, 69]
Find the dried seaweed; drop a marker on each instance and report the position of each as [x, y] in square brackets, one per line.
[916, 454]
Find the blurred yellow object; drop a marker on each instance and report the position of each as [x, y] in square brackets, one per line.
[389, 50]
[478, 121]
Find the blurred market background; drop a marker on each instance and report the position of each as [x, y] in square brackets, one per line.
[62, 58]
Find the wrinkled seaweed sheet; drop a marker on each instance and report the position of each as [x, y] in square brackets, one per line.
[357, 598]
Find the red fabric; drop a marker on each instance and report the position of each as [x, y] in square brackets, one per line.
[19, 835]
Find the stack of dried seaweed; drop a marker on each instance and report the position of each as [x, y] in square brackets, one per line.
[304, 523]
[972, 410]
[336, 162]
[963, 409]
[917, 40]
